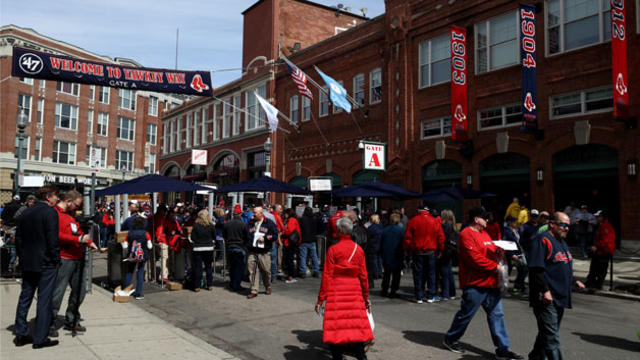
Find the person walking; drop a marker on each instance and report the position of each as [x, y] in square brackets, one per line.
[203, 236]
[374, 240]
[602, 252]
[107, 228]
[344, 291]
[235, 235]
[291, 239]
[551, 279]
[445, 262]
[261, 233]
[479, 279]
[158, 227]
[139, 243]
[584, 224]
[392, 255]
[39, 252]
[424, 240]
[515, 258]
[308, 229]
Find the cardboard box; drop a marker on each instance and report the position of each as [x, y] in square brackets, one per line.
[174, 286]
[121, 236]
[122, 299]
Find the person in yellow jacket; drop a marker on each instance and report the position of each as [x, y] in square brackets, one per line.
[513, 209]
[523, 216]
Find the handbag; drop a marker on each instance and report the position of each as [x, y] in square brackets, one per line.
[370, 317]
[294, 238]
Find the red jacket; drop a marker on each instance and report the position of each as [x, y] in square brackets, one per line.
[423, 234]
[158, 225]
[345, 288]
[292, 225]
[478, 259]
[108, 219]
[493, 229]
[279, 222]
[605, 239]
[332, 227]
[69, 234]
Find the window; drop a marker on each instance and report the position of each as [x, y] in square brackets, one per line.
[66, 116]
[127, 99]
[324, 101]
[124, 160]
[437, 127]
[25, 148]
[103, 124]
[358, 89]
[178, 134]
[435, 61]
[573, 24]
[103, 95]
[153, 106]
[68, 88]
[497, 43]
[306, 108]
[165, 138]
[584, 102]
[37, 153]
[197, 128]
[152, 163]
[500, 116]
[42, 83]
[126, 128]
[237, 114]
[90, 122]
[293, 109]
[255, 117]
[216, 119]
[64, 152]
[24, 103]
[103, 156]
[226, 119]
[40, 118]
[172, 142]
[188, 129]
[375, 86]
[205, 124]
[26, 80]
[152, 132]
[92, 93]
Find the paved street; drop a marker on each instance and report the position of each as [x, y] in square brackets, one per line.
[284, 326]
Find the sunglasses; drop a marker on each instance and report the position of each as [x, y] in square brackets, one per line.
[562, 225]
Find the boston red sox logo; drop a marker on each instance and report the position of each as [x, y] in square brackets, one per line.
[459, 114]
[528, 103]
[620, 86]
[197, 84]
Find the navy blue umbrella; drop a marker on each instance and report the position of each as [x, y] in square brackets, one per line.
[453, 193]
[263, 184]
[149, 184]
[375, 189]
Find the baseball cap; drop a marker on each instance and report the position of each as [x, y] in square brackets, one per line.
[478, 211]
[16, 197]
[534, 212]
[31, 197]
[237, 209]
[179, 204]
[423, 208]
[599, 213]
[510, 219]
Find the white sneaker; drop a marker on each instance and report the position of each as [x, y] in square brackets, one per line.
[291, 281]
[419, 301]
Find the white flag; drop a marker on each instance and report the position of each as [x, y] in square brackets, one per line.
[271, 111]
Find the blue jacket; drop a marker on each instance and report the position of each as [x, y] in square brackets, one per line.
[270, 231]
[509, 235]
[391, 247]
[374, 238]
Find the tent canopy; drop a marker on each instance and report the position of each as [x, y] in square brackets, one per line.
[264, 184]
[453, 193]
[375, 189]
[149, 184]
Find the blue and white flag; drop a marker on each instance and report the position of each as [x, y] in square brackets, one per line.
[337, 93]
[271, 111]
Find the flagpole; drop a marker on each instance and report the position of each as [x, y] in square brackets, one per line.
[313, 118]
[281, 114]
[246, 113]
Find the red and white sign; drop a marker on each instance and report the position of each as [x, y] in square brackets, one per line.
[459, 84]
[619, 60]
[374, 156]
[198, 157]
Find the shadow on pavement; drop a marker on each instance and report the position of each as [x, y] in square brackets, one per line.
[610, 341]
[434, 339]
[314, 348]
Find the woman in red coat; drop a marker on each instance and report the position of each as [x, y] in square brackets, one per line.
[345, 289]
[290, 246]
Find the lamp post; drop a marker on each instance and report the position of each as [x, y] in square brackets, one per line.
[268, 145]
[21, 121]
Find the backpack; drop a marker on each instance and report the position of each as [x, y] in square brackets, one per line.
[137, 253]
[451, 242]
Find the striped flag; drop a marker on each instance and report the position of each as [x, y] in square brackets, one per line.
[301, 80]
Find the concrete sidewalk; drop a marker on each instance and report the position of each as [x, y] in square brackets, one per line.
[114, 331]
[626, 273]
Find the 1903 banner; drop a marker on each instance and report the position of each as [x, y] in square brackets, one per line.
[39, 65]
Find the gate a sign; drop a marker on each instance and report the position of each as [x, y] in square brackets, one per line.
[374, 156]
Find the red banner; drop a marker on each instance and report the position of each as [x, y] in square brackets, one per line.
[619, 60]
[459, 127]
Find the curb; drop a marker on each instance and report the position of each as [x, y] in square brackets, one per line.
[616, 295]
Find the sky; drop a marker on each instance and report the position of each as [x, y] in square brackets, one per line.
[210, 31]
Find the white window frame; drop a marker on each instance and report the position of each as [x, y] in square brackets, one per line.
[226, 118]
[237, 114]
[129, 163]
[165, 138]
[75, 88]
[73, 117]
[122, 97]
[216, 128]
[153, 106]
[294, 109]
[443, 120]
[361, 91]
[205, 125]
[71, 146]
[172, 139]
[37, 152]
[26, 80]
[103, 94]
[253, 109]
[583, 103]
[335, 109]
[562, 25]
[131, 129]
[323, 99]
[152, 133]
[27, 141]
[40, 115]
[178, 134]
[429, 62]
[152, 163]
[92, 93]
[28, 106]
[103, 124]
[42, 84]
[306, 108]
[487, 24]
[90, 117]
[376, 71]
[188, 131]
[197, 127]
[503, 110]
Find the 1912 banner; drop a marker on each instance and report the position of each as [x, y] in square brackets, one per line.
[529, 67]
[619, 60]
[459, 127]
[39, 65]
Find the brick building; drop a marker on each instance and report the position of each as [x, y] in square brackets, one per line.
[65, 119]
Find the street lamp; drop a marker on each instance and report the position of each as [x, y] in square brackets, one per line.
[268, 145]
[21, 121]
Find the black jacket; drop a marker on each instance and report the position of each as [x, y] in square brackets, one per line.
[9, 211]
[359, 234]
[203, 236]
[270, 231]
[37, 238]
[235, 233]
[308, 229]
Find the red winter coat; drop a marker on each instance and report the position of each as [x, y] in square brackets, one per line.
[108, 219]
[605, 239]
[292, 225]
[345, 289]
[279, 223]
[423, 234]
[69, 234]
[478, 259]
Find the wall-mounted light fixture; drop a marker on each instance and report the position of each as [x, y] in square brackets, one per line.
[469, 179]
[632, 168]
[540, 175]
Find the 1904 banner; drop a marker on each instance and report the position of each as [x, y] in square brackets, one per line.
[39, 65]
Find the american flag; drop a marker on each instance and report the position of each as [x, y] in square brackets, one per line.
[301, 80]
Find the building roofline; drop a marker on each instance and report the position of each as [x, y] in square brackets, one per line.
[313, 4]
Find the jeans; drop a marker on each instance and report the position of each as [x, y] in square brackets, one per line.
[424, 271]
[68, 274]
[491, 302]
[237, 264]
[104, 237]
[523, 271]
[131, 267]
[377, 265]
[394, 276]
[547, 343]
[274, 261]
[43, 281]
[308, 248]
[583, 241]
[288, 261]
[200, 258]
[448, 283]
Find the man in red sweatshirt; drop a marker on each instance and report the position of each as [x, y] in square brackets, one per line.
[479, 280]
[602, 252]
[72, 242]
[424, 239]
